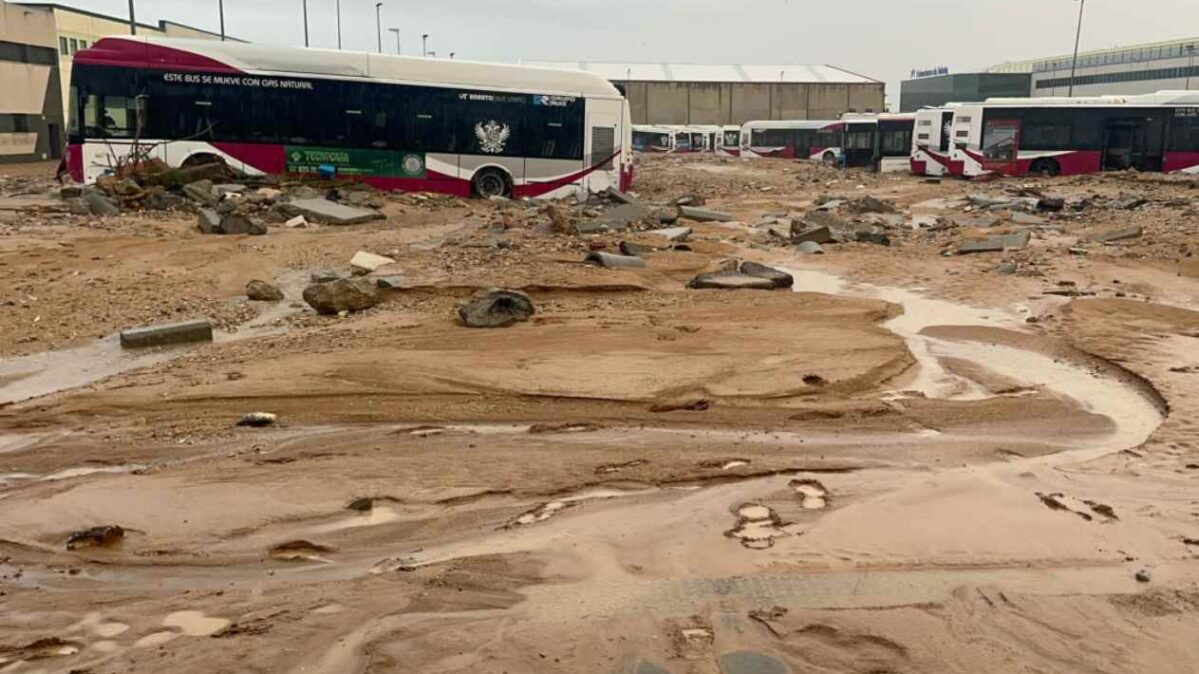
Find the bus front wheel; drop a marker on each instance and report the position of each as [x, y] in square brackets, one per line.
[491, 182]
[201, 159]
[829, 159]
[1045, 167]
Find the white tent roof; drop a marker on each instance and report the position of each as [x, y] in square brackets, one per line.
[682, 72]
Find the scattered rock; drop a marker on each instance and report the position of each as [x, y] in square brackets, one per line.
[369, 262]
[390, 282]
[236, 223]
[690, 200]
[1019, 218]
[985, 246]
[694, 405]
[810, 248]
[1120, 234]
[869, 204]
[729, 281]
[222, 191]
[1127, 202]
[629, 248]
[258, 419]
[1016, 240]
[99, 204]
[333, 297]
[201, 191]
[813, 235]
[362, 505]
[703, 214]
[616, 195]
[261, 291]
[105, 536]
[331, 213]
[611, 261]
[672, 233]
[162, 335]
[778, 277]
[496, 309]
[324, 276]
[1007, 268]
[877, 238]
[1051, 204]
[616, 219]
[1143, 576]
[209, 221]
[298, 222]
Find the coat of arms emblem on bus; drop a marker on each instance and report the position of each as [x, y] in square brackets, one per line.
[492, 136]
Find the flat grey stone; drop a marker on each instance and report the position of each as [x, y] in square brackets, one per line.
[729, 281]
[99, 204]
[1016, 240]
[261, 291]
[1132, 232]
[228, 188]
[672, 233]
[590, 227]
[979, 221]
[778, 277]
[324, 276]
[703, 214]
[160, 335]
[814, 235]
[332, 213]
[630, 248]
[209, 221]
[994, 245]
[1026, 219]
[201, 191]
[622, 197]
[810, 248]
[390, 282]
[612, 261]
[749, 662]
[621, 216]
[236, 223]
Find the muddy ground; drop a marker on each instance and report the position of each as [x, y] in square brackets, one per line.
[913, 461]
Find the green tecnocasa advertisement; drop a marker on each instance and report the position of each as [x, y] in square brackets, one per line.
[383, 163]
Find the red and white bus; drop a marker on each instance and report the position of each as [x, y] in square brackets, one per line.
[728, 144]
[653, 139]
[394, 122]
[1069, 136]
[932, 143]
[797, 139]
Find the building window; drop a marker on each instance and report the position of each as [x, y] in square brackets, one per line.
[20, 124]
[62, 46]
[74, 45]
[83, 44]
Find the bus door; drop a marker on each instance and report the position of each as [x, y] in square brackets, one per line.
[859, 143]
[603, 142]
[1133, 142]
[946, 132]
[1001, 146]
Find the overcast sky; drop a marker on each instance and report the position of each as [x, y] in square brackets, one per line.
[884, 39]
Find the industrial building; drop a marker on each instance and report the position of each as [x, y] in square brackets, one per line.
[76, 29]
[661, 93]
[32, 124]
[962, 87]
[1137, 69]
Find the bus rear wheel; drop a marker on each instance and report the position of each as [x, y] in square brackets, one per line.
[491, 182]
[1045, 167]
[201, 159]
[829, 159]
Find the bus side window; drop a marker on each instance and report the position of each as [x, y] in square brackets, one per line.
[91, 115]
[120, 116]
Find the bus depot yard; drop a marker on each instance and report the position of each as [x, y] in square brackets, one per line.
[748, 416]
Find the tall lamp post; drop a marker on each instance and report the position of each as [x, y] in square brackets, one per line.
[305, 23]
[1077, 36]
[379, 24]
[397, 33]
[339, 24]
[221, 9]
[424, 45]
[132, 20]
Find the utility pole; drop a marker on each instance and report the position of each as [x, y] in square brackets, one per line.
[339, 24]
[221, 9]
[379, 24]
[305, 23]
[397, 32]
[424, 45]
[132, 20]
[1077, 36]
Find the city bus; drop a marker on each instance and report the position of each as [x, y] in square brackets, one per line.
[1070, 136]
[728, 144]
[932, 146]
[397, 123]
[798, 139]
[893, 146]
[648, 138]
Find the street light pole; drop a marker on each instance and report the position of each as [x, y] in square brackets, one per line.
[339, 24]
[424, 45]
[305, 23]
[221, 9]
[132, 20]
[1077, 36]
[397, 32]
[379, 24]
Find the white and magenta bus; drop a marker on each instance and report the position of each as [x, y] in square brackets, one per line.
[1070, 136]
[394, 122]
[728, 144]
[932, 143]
[796, 139]
[652, 139]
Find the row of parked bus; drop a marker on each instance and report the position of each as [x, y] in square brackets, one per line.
[1018, 136]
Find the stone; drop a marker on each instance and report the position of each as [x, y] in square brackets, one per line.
[877, 238]
[993, 245]
[813, 234]
[221, 191]
[584, 227]
[161, 335]
[703, 214]
[261, 291]
[71, 192]
[331, 213]
[268, 193]
[616, 195]
[236, 223]
[369, 262]
[1143, 576]
[201, 191]
[105, 536]
[611, 261]
[99, 204]
[1120, 234]
[1051, 204]
[778, 232]
[869, 204]
[729, 281]
[298, 222]
[258, 419]
[1127, 202]
[1016, 240]
[334, 297]
[324, 276]
[390, 282]
[304, 192]
[668, 217]
[810, 248]
[1019, 218]
[621, 216]
[496, 309]
[690, 200]
[983, 221]
[164, 201]
[778, 277]
[630, 248]
[1006, 268]
[672, 233]
[209, 221]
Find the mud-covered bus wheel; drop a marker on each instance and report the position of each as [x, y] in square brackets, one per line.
[1045, 167]
[829, 159]
[201, 159]
[491, 182]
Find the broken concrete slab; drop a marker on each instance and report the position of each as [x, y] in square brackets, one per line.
[778, 277]
[223, 190]
[622, 197]
[630, 248]
[1019, 218]
[162, 335]
[298, 222]
[611, 261]
[390, 282]
[621, 217]
[99, 204]
[729, 281]
[209, 221]
[496, 309]
[1120, 234]
[703, 214]
[331, 213]
[672, 233]
[333, 297]
[813, 234]
[236, 223]
[1016, 240]
[201, 191]
[994, 245]
[979, 221]
[810, 248]
[369, 262]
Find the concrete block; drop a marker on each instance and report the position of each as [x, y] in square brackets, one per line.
[369, 261]
[703, 214]
[160, 335]
[672, 233]
[332, 213]
[611, 261]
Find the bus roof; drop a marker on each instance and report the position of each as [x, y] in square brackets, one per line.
[1141, 100]
[791, 124]
[232, 58]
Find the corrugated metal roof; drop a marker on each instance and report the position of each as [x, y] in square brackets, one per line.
[688, 72]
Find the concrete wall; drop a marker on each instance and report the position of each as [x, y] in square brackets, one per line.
[30, 102]
[740, 102]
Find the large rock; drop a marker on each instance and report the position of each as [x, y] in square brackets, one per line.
[778, 277]
[496, 309]
[201, 191]
[209, 221]
[261, 291]
[341, 295]
[622, 216]
[99, 204]
[611, 261]
[330, 212]
[1016, 240]
[236, 223]
[729, 281]
[703, 214]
